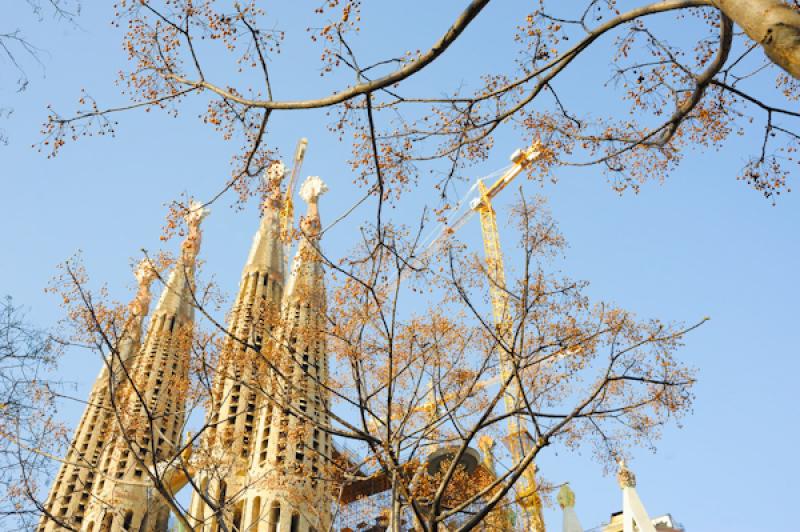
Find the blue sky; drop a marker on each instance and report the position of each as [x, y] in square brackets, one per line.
[700, 244]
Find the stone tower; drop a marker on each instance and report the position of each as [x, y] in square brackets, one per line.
[286, 491]
[228, 438]
[69, 495]
[263, 455]
[151, 404]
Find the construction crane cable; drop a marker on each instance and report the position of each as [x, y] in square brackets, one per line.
[443, 229]
[447, 228]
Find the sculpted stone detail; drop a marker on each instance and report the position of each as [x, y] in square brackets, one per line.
[145, 275]
[312, 188]
[625, 476]
[566, 497]
[486, 444]
[191, 246]
[273, 177]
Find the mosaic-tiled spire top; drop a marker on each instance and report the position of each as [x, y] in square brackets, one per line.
[310, 191]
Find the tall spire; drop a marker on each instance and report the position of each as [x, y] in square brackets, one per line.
[287, 489]
[634, 516]
[566, 499]
[72, 487]
[266, 252]
[177, 296]
[307, 276]
[149, 406]
[229, 438]
[145, 274]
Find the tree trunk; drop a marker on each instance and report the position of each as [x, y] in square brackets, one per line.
[771, 23]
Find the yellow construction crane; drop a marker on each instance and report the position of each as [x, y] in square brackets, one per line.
[519, 439]
[287, 214]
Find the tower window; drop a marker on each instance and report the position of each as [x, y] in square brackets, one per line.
[275, 516]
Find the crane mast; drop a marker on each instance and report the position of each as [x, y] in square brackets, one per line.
[519, 439]
[287, 213]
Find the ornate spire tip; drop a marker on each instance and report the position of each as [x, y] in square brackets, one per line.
[196, 213]
[313, 187]
[275, 173]
[625, 476]
[193, 217]
[566, 497]
[144, 272]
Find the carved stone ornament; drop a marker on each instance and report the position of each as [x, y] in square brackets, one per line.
[275, 172]
[145, 274]
[193, 217]
[625, 476]
[273, 177]
[196, 214]
[566, 497]
[313, 187]
[486, 443]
